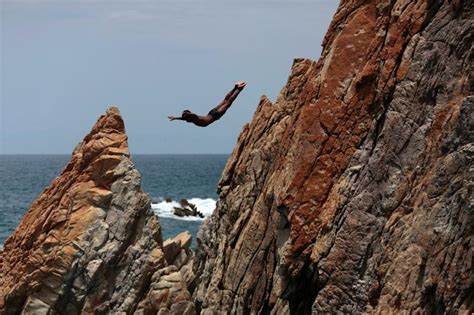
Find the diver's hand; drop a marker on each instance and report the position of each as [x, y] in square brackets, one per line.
[240, 85]
[171, 118]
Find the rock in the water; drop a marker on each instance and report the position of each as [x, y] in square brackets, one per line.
[182, 212]
[352, 193]
[90, 243]
[184, 203]
[187, 209]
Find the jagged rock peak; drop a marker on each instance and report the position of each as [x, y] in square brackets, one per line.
[351, 193]
[90, 242]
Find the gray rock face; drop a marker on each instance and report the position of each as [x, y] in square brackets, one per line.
[353, 192]
[90, 243]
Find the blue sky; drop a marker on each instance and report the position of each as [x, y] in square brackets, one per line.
[63, 62]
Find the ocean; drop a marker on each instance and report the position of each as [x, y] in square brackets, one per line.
[192, 177]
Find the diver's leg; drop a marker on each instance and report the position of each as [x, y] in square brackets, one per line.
[228, 100]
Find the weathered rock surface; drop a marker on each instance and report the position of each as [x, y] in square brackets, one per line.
[90, 243]
[353, 192]
[168, 292]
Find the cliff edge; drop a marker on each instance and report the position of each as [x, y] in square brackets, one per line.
[353, 191]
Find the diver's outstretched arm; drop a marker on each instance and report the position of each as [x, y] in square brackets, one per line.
[171, 118]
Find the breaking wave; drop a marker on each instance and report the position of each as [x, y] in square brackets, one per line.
[165, 209]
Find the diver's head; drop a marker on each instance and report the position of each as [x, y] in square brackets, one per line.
[187, 115]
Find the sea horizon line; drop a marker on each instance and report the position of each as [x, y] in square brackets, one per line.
[16, 154]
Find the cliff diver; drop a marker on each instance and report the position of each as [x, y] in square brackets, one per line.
[215, 113]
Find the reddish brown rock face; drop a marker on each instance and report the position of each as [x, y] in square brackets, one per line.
[91, 242]
[351, 192]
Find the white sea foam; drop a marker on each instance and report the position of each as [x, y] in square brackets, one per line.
[165, 209]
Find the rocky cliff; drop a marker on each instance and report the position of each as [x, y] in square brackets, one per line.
[91, 243]
[353, 191]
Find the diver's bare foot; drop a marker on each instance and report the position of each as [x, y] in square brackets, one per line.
[241, 84]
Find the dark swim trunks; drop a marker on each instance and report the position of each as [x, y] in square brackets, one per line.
[215, 114]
